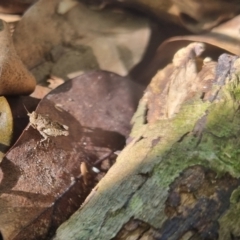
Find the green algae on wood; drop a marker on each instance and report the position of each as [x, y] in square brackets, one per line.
[202, 133]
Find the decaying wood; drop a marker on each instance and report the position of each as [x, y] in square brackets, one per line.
[178, 178]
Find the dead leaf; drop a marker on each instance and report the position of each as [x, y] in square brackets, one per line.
[65, 6]
[10, 18]
[20, 119]
[221, 39]
[54, 82]
[78, 40]
[225, 37]
[97, 107]
[198, 16]
[15, 6]
[84, 172]
[40, 92]
[177, 82]
[14, 77]
[164, 10]
[6, 126]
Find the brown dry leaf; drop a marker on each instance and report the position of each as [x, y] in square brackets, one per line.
[161, 9]
[225, 36]
[6, 126]
[18, 106]
[97, 108]
[14, 77]
[222, 38]
[54, 82]
[10, 18]
[15, 6]
[80, 39]
[196, 16]
[178, 81]
[40, 92]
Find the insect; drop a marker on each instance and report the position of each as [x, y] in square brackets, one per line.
[45, 126]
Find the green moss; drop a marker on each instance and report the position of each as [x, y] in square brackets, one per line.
[235, 197]
[217, 148]
[135, 203]
[139, 118]
[229, 223]
[233, 87]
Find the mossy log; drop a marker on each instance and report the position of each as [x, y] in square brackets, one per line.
[179, 175]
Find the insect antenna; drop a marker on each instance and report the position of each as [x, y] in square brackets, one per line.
[26, 109]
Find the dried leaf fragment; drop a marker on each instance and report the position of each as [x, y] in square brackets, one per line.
[66, 5]
[203, 15]
[14, 77]
[6, 126]
[179, 81]
[79, 39]
[54, 82]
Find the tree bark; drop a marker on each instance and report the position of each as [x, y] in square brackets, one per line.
[178, 177]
